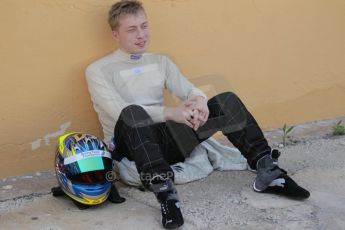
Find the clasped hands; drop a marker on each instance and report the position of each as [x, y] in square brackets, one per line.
[192, 112]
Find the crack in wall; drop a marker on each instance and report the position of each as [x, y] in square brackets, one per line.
[37, 143]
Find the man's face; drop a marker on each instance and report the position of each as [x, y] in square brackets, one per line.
[133, 33]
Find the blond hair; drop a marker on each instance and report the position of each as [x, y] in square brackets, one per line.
[121, 8]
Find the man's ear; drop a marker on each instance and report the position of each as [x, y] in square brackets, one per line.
[115, 35]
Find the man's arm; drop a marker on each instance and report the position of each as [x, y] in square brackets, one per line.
[194, 111]
[177, 83]
[102, 96]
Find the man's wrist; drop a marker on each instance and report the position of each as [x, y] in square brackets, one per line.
[167, 113]
[194, 96]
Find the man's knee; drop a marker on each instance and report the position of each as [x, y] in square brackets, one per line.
[228, 96]
[132, 109]
[135, 116]
[222, 101]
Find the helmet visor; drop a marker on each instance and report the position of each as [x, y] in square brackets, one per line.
[89, 178]
[88, 162]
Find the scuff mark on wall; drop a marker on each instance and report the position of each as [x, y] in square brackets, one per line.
[37, 143]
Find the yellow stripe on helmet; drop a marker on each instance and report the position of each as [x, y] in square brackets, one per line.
[89, 201]
[62, 140]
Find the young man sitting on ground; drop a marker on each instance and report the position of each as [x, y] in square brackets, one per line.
[126, 88]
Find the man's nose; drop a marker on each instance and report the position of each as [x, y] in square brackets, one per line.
[141, 33]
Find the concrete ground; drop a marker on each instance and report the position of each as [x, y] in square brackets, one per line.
[223, 200]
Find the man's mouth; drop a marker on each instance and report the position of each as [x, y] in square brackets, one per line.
[141, 44]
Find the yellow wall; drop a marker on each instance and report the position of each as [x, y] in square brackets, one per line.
[286, 60]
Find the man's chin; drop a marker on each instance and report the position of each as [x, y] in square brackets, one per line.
[137, 51]
[140, 50]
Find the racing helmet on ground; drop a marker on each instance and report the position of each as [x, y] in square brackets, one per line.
[82, 165]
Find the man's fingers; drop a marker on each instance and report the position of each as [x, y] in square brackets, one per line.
[202, 116]
[188, 114]
[206, 115]
[189, 123]
[188, 103]
[191, 112]
[198, 107]
[195, 116]
[196, 125]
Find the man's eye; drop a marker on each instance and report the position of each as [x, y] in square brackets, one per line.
[144, 26]
[131, 30]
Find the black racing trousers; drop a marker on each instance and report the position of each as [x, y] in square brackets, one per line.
[155, 146]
